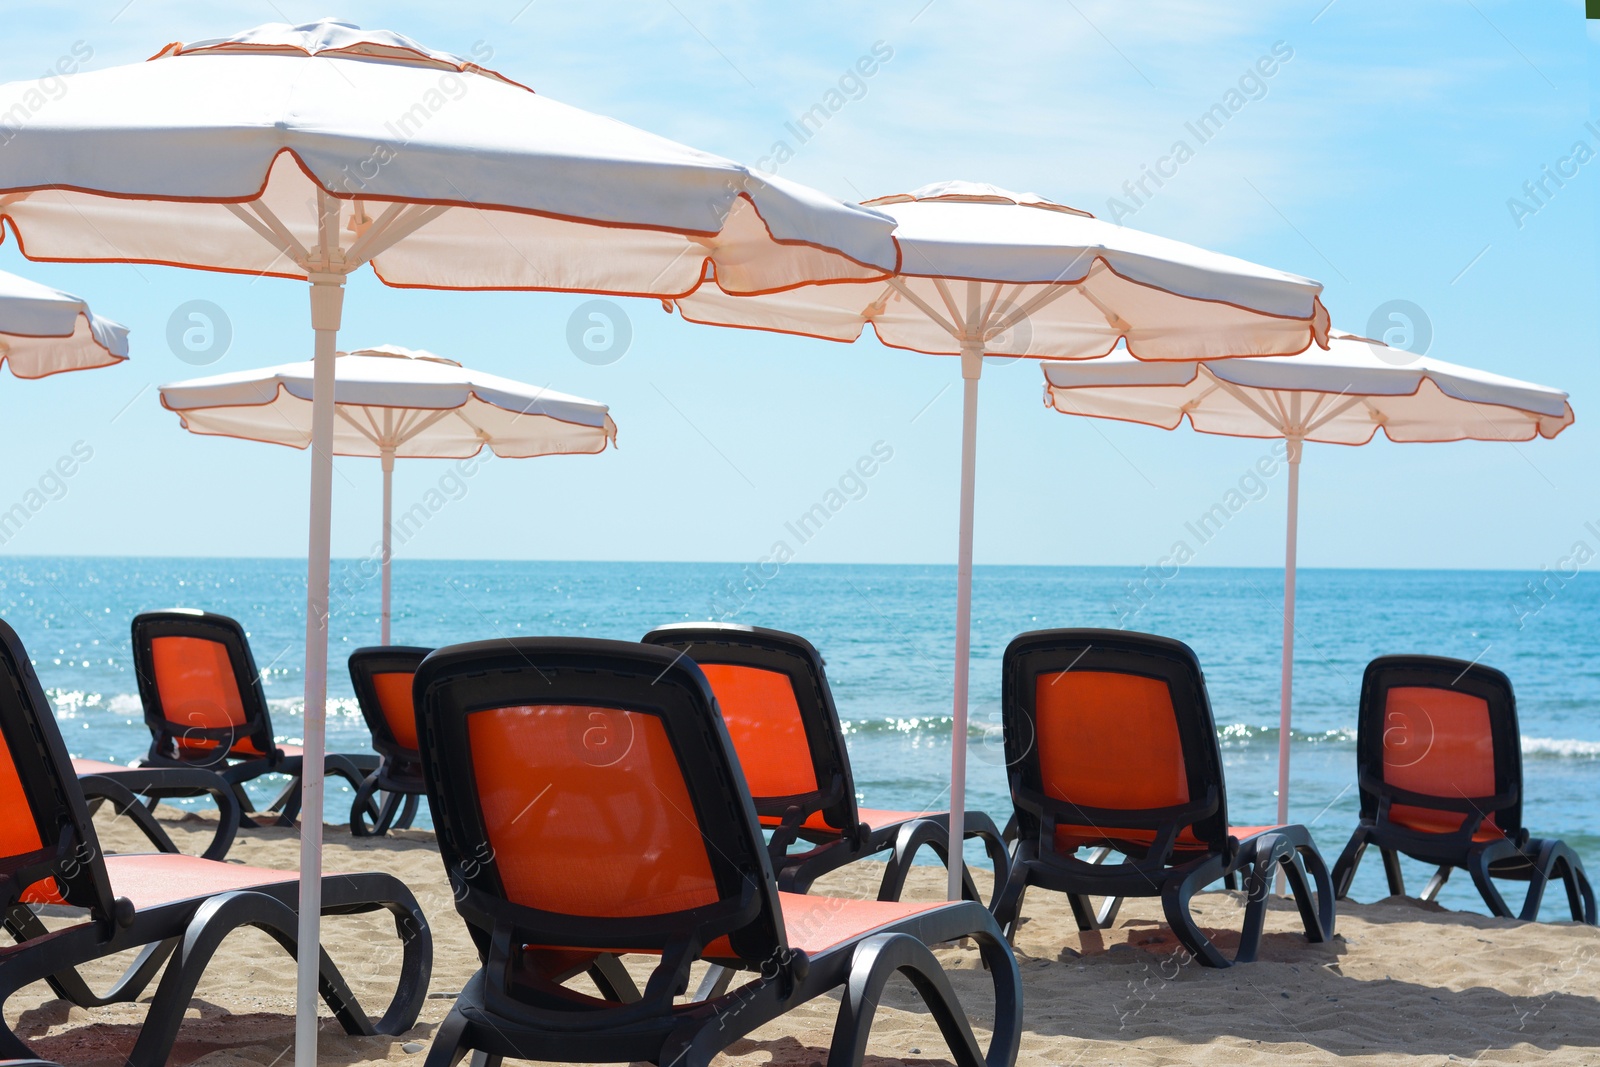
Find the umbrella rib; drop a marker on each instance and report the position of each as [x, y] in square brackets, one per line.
[271, 230]
[1333, 413]
[950, 304]
[1276, 422]
[339, 410]
[408, 433]
[1049, 294]
[1113, 320]
[391, 228]
[925, 308]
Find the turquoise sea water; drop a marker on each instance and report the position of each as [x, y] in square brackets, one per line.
[887, 632]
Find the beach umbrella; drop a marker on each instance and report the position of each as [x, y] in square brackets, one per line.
[304, 152]
[984, 272]
[1341, 396]
[394, 403]
[44, 331]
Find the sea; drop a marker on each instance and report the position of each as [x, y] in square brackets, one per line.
[887, 633]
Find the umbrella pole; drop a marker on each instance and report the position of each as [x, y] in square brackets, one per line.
[388, 511]
[971, 368]
[1286, 698]
[327, 304]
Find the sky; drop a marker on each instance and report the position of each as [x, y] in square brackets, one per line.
[1382, 157]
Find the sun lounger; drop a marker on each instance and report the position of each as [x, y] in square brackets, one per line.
[588, 803]
[1111, 747]
[381, 677]
[169, 909]
[774, 696]
[1439, 760]
[205, 707]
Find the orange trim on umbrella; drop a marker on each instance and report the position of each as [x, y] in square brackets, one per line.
[432, 202]
[1538, 417]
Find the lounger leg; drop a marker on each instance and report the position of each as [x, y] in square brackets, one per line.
[1262, 854]
[878, 958]
[1007, 907]
[408, 812]
[1556, 860]
[1317, 913]
[215, 920]
[1392, 871]
[98, 789]
[1478, 868]
[1430, 892]
[448, 1048]
[911, 838]
[715, 983]
[1175, 900]
[70, 986]
[1344, 870]
[362, 808]
[613, 979]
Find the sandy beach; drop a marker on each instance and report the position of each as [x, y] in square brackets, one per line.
[1401, 983]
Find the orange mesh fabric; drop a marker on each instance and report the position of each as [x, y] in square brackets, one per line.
[19, 834]
[1109, 740]
[198, 689]
[587, 812]
[394, 700]
[1438, 742]
[768, 733]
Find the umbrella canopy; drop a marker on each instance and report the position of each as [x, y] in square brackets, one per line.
[451, 176]
[307, 151]
[44, 331]
[1341, 396]
[984, 271]
[392, 402]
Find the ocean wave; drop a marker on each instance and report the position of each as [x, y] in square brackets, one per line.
[1560, 747]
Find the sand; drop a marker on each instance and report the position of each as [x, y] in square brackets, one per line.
[1401, 983]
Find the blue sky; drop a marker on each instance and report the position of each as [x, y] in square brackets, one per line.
[1380, 158]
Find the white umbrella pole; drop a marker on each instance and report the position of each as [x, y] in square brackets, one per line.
[971, 368]
[388, 511]
[327, 303]
[1286, 698]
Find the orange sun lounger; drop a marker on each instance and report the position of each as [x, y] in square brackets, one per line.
[168, 909]
[205, 707]
[382, 676]
[774, 696]
[589, 804]
[1111, 748]
[1439, 762]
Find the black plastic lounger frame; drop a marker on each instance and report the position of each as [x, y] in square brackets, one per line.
[123, 788]
[514, 1008]
[68, 867]
[238, 752]
[846, 837]
[398, 777]
[1508, 854]
[1160, 859]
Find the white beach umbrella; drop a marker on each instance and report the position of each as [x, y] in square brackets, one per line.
[983, 272]
[44, 331]
[394, 403]
[1341, 396]
[306, 151]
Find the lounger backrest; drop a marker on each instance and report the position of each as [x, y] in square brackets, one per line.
[1110, 734]
[1439, 728]
[197, 679]
[382, 677]
[48, 847]
[587, 790]
[773, 692]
